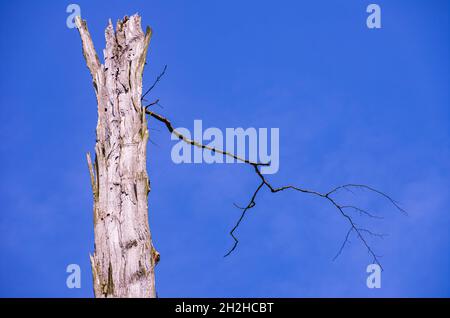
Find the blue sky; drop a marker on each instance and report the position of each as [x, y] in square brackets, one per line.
[352, 105]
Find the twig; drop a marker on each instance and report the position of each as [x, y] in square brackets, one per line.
[152, 103]
[346, 240]
[250, 205]
[155, 82]
[361, 211]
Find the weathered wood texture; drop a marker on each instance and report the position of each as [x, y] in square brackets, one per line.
[124, 258]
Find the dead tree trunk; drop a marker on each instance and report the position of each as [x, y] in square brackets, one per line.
[124, 258]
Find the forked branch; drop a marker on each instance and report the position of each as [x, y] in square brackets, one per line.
[265, 183]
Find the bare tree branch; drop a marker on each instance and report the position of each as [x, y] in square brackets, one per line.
[327, 196]
[346, 240]
[339, 207]
[197, 144]
[363, 186]
[156, 102]
[250, 205]
[155, 82]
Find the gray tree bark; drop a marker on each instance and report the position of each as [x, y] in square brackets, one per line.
[124, 259]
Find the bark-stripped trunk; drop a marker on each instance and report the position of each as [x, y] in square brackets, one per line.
[124, 258]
